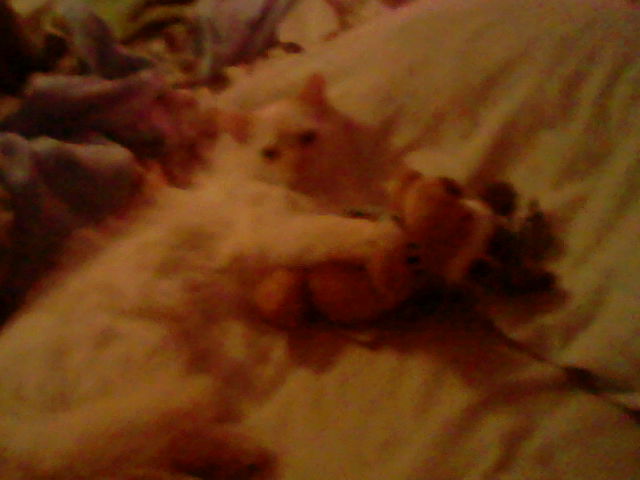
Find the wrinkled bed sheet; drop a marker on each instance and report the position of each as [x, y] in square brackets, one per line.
[546, 96]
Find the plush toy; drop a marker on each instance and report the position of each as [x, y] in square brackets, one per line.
[444, 232]
[523, 242]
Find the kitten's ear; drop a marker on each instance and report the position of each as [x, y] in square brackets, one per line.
[314, 92]
[236, 124]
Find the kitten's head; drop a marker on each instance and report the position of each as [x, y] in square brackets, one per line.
[290, 139]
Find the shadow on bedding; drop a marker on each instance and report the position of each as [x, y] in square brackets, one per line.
[447, 325]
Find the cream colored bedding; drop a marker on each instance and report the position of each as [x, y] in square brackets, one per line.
[545, 94]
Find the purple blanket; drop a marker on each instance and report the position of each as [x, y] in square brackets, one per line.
[70, 154]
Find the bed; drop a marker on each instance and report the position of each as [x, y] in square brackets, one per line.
[546, 96]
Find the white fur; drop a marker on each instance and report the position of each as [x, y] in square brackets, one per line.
[345, 167]
[100, 372]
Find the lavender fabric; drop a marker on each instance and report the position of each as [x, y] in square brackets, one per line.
[95, 43]
[68, 155]
[68, 106]
[51, 140]
[235, 32]
[64, 161]
[55, 188]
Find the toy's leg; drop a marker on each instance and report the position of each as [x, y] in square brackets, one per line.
[282, 297]
[341, 292]
[345, 294]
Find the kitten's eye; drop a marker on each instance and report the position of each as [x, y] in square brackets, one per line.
[307, 137]
[270, 154]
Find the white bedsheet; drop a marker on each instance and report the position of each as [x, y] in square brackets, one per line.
[544, 94]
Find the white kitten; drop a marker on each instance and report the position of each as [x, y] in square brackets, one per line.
[119, 368]
[309, 146]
